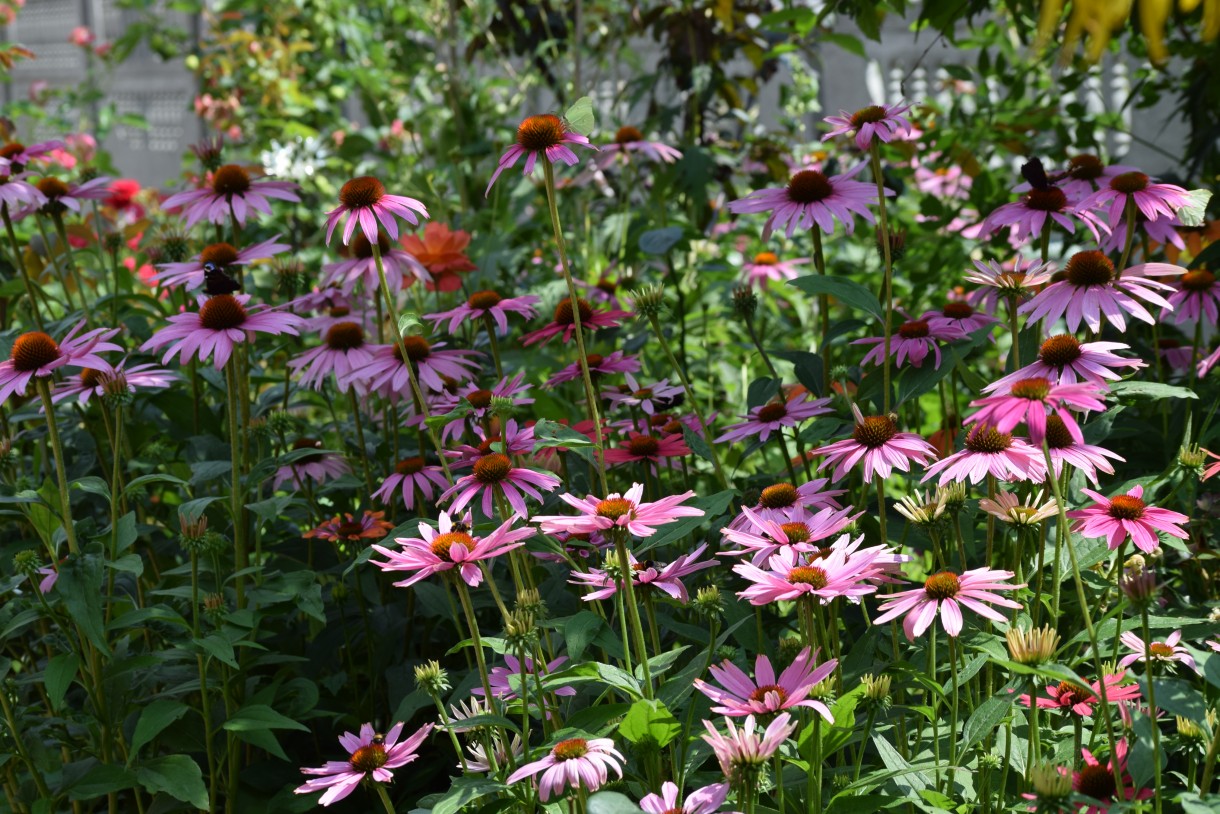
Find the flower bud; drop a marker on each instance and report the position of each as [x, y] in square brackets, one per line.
[520, 631]
[432, 678]
[26, 562]
[745, 303]
[1032, 646]
[877, 688]
[1050, 782]
[708, 602]
[1191, 458]
[174, 246]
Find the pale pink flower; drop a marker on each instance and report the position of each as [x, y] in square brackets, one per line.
[790, 576]
[747, 748]
[1032, 400]
[762, 536]
[372, 756]
[546, 135]
[767, 267]
[1090, 293]
[812, 198]
[625, 511]
[628, 140]
[576, 763]
[98, 382]
[955, 318]
[877, 443]
[1127, 516]
[489, 306]
[412, 475]
[990, 452]
[1029, 216]
[36, 355]
[665, 577]
[318, 466]
[783, 501]
[387, 373]
[495, 474]
[654, 449]
[220, 324]
[1064, 359]
[1065, 449]
[364, 200]
[656, 397]
[449, 546]
[765, 694]
[1018, 279]
[706, 800]
[230, 190]
[775, 415]
[60, 197]
[501, 678]
[944, 594]
[1197, 297]
[883, 122]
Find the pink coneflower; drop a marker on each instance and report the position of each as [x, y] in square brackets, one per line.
[811, 197]
[343, 353]
[783, 501]
[495, 473]
[1064, 359]
[319, 466]
[1029, 215]
[799, 530]
[121, 380]
[1089, 292]
[628, 140]
[190, 274]
[1154, 201]
[432, 366]
[744, 750]
[605, 291]
[954, 319]
[766, 693]
[1196, 297]
[412, 475]
[1077, 700]
[999, 282]
[877, 442]
[372, 756]
[477, 759]
[365, 200]
[450, 546]
[625, 511]
[990, 452]
[775, 415]
[510, 439]
[564, 322]
[656, 397]
[61, 197]
[1211, 469]
[1065, 449]
[576, 763]
[943, 595]
[912, 340]
[883, 122]
[767, 267]
[360, 268]
[1127, 516]
[477, 403]
[706, 800]
[503, 677]
[1096, 781]
[217, 327]
[599, 365]
[651, 448]
[1083, 174]
[349, 528]
[20, 156]
[547, 135]
[36, 355]
[340, 311]
[826, 575]
[487, 305]
[20, 196]
[1031, 400]
[230, 190]
[1174, 353]
[666, 578]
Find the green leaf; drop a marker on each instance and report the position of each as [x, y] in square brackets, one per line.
[261, 716]
[850, 293]
[580, 630]
[93, 485]
[143, 480]
[650, 722]
[60, 672]
[988, 715]
[580, 116]
[696, 443]
[1151, 390]
[660, 241]
[153, 721]
[1178, 697]
[610, 802]
[549, 434]
[219, 649]
[409, 324]
[176, 775]
[80, 586]
[101, 780]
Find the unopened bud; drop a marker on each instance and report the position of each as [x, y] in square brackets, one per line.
[745, 302]
[708, 602]
[649, 301]
[432, 678]
[1032, 646]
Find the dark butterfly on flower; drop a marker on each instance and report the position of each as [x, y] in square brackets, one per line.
[217, 281]
[1035, 174]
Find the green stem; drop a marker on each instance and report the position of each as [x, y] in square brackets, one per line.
[633, 611]
[54, 261]
[1119, 269]
[819, 263]
[73, 269]
[19, 265]
[57, 451]
[952, 715]
[884, 223]
[241, 557]
[364, 451]
[1152, 708]
[384, 796]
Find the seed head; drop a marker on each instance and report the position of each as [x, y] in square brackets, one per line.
[432, 678]
[708, 602]
[1027, 646]
[649, 301]
[26, 562]
[745, 302]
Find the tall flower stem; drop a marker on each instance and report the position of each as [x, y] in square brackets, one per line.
[59, 272]
[655, 322]
[633, 609]
[444, 719]
[884, 223]
[814, 791]
[590, 392]
[384, 796]
[73, 269]
[1152, 708]
[1118, 272]
[495, 345]
[19, 265]
[819, 263]
[881, 509]
[364, 452]
[952, 715]
[1084, 612]
[406, 361]
[473, 624]
[57, 450]
[241, 557]
[1015, 329]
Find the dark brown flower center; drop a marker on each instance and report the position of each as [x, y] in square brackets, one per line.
[606, 285]
[11, 149]
[614, 508]
[778, 496]
[761, 693]
[441, 543]
[1057, 435]
[362, 192]
[479, 399]
[643, 393]
[772, 411]
[1060, 350]
[53, 188]
[628, 134]
[1050, 199]
[483, 300]
[874, 431]
[492, 468]
[369, 758]
[1129, 182]
[1199, 280]
[230, 180]
[867, 115]
[352, 528]
[221, 254]
[915, 329]
[987, 439]
[540, 132]
[575, 747]
[307, 443]
[943, 585]
[409, 466]
[33, 350]
[809, 186]
[564, 316]
[957, 310]
[1097, 781]
[765, 259]
[1127, 507]
[344, 336]
[1085, 167]
[1168, 344]
[222, 312]
[594, 359]
[1160, 650]
[1089, 268]
[90, 378]
[796, 532]
[1033, 389]
[418, 348]
[339, 311]
[808, 575]
[362, 247]
[1070, 694]
[644, 445]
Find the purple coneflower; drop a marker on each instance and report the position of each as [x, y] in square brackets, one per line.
[61, 197]
[217, 327]
[1096, 780]
[365, 200]
[495, 473]
[944, 594]
[767, 267]
[1197, 296]
[1089, 292]
[432, 365]
[360, 267]
[1083, 175]
[412, 475]
[503, 677]
[319, 466]
[775, 415]
[487, 305]
[343, 352]
[1032, 400]
[546, 134]
[20, 196]
[745, 749]
[625, 511]
[349, 528]
[1029, 215]
[883, 122]
[372, 756]
[822, 577]
[706, 800]
[230, 190]
[876, 441]
[36, 355]
[811, 197]
[190, 274]
[510, 439]
[656, 397]
[800, 530]
[912, 340]
[990, 452]
[1064, 359]
[765, 694]
[599, 365]
[1068, 697]
[665, 577]
[1018, 282]
[20, 156]
[651, 448]
[956, 318]
[564, 322]
[576, 763]
[783, 501]
[1065, 449]
[1127, 516]
[450, 546]
[121, 380]
[628, 140]
[1154, 201]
